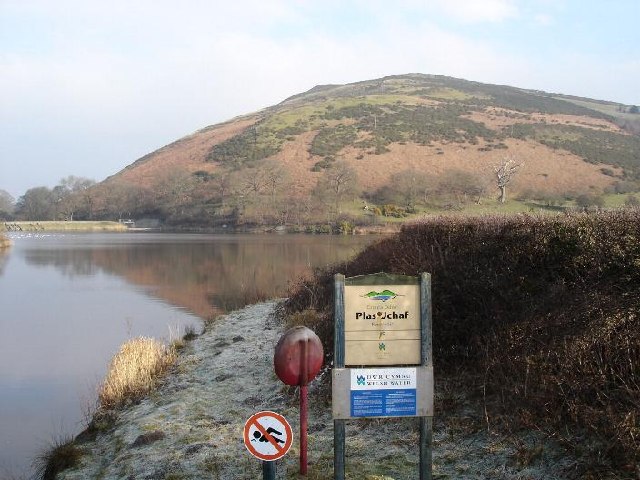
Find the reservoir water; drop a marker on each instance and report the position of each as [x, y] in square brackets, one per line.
[68, 301]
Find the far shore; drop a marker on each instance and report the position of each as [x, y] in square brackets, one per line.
[112, 226]
[52, 226]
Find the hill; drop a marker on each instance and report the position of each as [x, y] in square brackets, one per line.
[387, 147]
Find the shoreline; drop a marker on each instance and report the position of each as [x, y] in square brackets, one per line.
[73, 226]
[111, 226]
[191, 426]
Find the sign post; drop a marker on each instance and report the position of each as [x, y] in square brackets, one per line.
[383, 332]
[297, 360]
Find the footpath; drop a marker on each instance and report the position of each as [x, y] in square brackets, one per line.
[191, 427]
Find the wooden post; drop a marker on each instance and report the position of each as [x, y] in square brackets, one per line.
[426, 357]
[338, 362]
[338, 312]
[268, 470]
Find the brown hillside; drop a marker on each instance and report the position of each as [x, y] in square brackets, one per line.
[187, 153]
[548, 170]
[229, 173]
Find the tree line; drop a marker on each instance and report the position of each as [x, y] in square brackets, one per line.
[264, 194]
[73, 198]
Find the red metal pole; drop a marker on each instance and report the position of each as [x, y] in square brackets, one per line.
[303, 410]
[303, 430]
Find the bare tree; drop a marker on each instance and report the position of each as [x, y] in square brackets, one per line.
[71, 194]
[223, 184]
[174, 189]
[505, 172]
[252, 182]
[337, 182]
[35, 204]
[76, 184]
[409, 187]
[7, 204]
[119, 199]
[276, 178]
[460, 185]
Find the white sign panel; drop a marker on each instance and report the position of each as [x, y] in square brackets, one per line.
[383, 378]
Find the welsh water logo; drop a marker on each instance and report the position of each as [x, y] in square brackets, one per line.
[360, 379]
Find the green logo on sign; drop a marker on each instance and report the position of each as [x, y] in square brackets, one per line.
[381, 296]
[381, 346]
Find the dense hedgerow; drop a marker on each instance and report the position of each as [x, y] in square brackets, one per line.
[543, 311]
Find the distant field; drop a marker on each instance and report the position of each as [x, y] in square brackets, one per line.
[65, 226]
[603, 107]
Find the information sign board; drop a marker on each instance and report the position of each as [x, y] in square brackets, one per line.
[383, 365]
[382, 324]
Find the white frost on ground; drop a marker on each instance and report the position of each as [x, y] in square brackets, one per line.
[191, 427]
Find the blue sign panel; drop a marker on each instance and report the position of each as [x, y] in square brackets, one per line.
[383, 392]
[383, 403]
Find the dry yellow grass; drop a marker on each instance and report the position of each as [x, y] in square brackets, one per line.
[134, 371]
[4, 241]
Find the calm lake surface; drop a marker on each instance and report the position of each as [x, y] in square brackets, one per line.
[68, 301]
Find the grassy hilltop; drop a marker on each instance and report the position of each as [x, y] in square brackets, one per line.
[534, 317]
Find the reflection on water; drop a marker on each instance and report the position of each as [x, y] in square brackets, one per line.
[205, 274]
[68, 302]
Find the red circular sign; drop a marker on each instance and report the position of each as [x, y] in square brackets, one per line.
[298, 356]
[267, 435]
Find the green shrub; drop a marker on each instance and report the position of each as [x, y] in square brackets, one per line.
[330, 140]
[252, 145]
[632, 201]
[391, 210]
[586, 200]
[61, 455]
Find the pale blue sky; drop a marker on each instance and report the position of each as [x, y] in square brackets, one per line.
[87, 87]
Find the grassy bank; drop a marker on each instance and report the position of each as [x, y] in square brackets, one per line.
[537, 315]
[50, 226]
[190, 427]
[134, 372]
